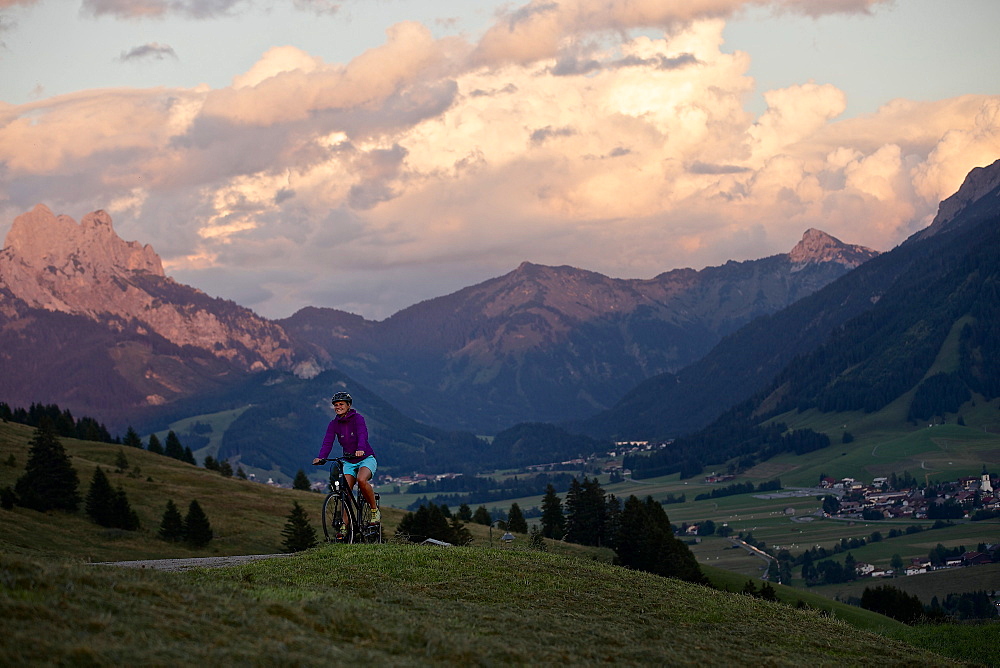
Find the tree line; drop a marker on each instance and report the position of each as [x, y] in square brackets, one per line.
[638, 530]
[50, 482]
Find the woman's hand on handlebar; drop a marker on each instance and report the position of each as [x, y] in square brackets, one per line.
[318, 461]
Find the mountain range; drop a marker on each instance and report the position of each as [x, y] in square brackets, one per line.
[92, 323]
[748, 360]
[554, 343]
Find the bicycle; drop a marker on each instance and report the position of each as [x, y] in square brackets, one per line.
[347, 518]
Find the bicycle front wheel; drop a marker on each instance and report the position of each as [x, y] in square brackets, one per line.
[334, 527]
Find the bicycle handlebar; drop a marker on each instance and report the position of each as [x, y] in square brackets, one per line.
[329, 459]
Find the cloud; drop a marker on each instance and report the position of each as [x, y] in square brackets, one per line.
[191, 9]
[317, 6]
[413, 170]
[152, 50]
[542, 29]
[139, 9]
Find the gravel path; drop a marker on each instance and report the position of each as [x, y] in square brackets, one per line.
[188, 564]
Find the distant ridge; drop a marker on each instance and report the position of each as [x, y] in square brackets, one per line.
[858, 343]
[545, 343]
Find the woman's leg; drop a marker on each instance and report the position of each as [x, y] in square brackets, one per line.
[364, 476]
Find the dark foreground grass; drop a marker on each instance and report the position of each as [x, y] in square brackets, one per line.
[410, 605]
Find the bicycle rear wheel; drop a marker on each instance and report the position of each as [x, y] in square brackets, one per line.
[334, 527]
[370, 532]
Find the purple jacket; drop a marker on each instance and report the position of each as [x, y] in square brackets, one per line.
[352, 432]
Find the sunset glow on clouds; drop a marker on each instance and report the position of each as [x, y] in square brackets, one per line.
[611, 136]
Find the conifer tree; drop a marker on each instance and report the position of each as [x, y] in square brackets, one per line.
[645, 542]
[515, 520]
[109, 507]
[121, 461]
[553, 520]
[465, 513]
[426, 522]
[197, 529]
[586, 513]
[132, 438]
[482, 516]
[226, 470]
[537, 540]
[459, 534]
[301, 481]
[100, 501]
[173, 447]
[240, 473]
[7, 498]
[172, 524]
[188, 456]
[210, 464]
[154, 445]
[298, 532]
[123, 515]
[49, 481]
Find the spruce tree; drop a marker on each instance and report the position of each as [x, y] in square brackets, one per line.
[226, 470]
[121, 461]
[553, 520]
[100, 501]
[154, 445]
[172, 524]
[465, 513]
[298, 532]
[210, 464]
[188, 456]
[537, 540]
[301, 481]
[49, 481]
[459, 534]
[240, 473]
[645, 542]
[8, 499]
[173, 447]
[482, 516]
[132, 438]
[515, 520]
[124, 516]
[197, 530]
[586, 513]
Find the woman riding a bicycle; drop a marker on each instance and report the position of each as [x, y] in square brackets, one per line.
[350, 429]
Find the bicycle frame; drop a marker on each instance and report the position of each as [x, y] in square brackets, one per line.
[350, 507]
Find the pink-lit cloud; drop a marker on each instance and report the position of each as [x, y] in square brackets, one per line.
[428, 163]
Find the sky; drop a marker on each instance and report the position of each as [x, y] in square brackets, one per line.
[366, 155]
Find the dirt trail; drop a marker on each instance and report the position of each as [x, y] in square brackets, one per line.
[188, 564]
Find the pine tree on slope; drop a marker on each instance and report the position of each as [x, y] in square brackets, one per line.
[197, 530]
[49, 482]
[298, 532]
[172, 524]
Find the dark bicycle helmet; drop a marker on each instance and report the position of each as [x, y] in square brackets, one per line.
[342, 396]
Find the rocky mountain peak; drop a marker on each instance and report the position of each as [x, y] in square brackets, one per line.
[40, 239]
[818, 246]
[50, 262]
[978, 183]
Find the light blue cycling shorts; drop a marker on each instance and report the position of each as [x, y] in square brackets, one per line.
[368, 463]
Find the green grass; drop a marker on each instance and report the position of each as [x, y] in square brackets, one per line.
[404, 604]
[410, 605]
[246, 517]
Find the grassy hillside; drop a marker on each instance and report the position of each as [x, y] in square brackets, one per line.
[410, 605]
[246, 517]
